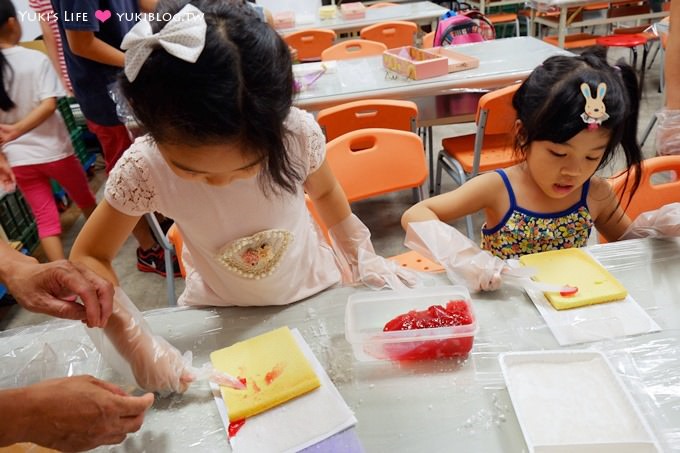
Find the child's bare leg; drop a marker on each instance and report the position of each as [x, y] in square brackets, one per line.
[53, 248]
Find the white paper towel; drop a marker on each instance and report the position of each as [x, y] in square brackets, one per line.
[296, 424]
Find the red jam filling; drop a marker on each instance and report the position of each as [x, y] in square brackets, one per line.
[455, 313]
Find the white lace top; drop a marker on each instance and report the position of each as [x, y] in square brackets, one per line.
[240, 247]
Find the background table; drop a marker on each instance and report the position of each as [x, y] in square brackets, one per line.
[427, 406]
[561, 23]
[422, 13]
[501, 63]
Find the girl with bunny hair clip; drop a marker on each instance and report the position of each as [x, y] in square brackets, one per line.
[552, 197]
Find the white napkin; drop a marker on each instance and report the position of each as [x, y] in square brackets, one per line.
[594, 322]
[296, 424]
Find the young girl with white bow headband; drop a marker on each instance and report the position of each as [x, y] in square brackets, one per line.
[230, 160]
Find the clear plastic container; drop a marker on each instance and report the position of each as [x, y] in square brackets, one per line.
[367, 314]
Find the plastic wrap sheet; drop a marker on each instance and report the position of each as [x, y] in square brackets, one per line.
[649, 366]
[410, 407]
[187, 423]
[49, 350]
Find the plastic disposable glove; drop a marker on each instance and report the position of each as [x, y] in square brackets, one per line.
[130, 347]
[663, 222]
[464, 261]
[358, 261]
[668, 132]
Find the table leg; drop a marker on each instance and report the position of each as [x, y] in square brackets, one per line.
[562, 28]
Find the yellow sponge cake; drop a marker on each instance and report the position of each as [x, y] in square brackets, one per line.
[574, 267]
[273, 368]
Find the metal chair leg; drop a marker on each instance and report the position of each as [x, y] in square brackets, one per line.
[470, 227]
[168, 251]
[648, 130]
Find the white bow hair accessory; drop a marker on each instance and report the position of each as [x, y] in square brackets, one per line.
[182, 37]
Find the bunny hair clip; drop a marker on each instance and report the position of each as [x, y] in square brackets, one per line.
[183, 37]
[595, 111]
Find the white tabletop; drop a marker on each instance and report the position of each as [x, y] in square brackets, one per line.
[426, 406]
[418, 12]
[501, 62]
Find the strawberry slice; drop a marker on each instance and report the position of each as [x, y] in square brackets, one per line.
[569, 292]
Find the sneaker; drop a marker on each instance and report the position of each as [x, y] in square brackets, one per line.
[153, 260]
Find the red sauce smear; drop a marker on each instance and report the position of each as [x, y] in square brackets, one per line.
[456, 313]
[274, 373]
[256, 388]
[235, 426]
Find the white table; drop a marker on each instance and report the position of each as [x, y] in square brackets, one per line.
[562, 23]
[426, 406]
[501, 62]
[422, 13]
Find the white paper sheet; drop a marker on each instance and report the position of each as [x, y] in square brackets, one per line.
[594, 322]
[296, 424]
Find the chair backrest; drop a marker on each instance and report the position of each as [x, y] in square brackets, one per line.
[495, 113]
[495, 116]
[428, 40]
[310, 43]
[371, 162]
[650, 194]
[370, 113]
[382, 5]
[392, 34]
[353, 48]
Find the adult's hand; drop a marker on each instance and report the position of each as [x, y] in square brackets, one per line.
[7, 181]
[53, 289]
[71, 414]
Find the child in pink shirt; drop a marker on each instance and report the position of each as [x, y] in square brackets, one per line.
[230, 160]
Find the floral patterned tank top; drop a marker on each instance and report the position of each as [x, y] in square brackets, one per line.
[522, 232]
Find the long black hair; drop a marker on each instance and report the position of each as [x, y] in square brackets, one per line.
[549, 105]
[239, 90]
[7, 11]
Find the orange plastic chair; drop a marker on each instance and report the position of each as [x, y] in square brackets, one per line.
[310, 43]
[428, 40]
[352, 116]
[374, 161]
[649, 195]
[392, 34]
[175, 238]
[371, 162]
[353, 48]
[491, 147]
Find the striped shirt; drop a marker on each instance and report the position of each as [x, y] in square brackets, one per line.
[45, 11]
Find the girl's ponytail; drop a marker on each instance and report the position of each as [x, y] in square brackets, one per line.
[6, 103]
[7, 11]
[629, 141]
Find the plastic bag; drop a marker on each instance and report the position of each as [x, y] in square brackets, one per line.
[662, 222]
[668, 132]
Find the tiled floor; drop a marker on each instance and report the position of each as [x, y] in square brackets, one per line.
[381, 214]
